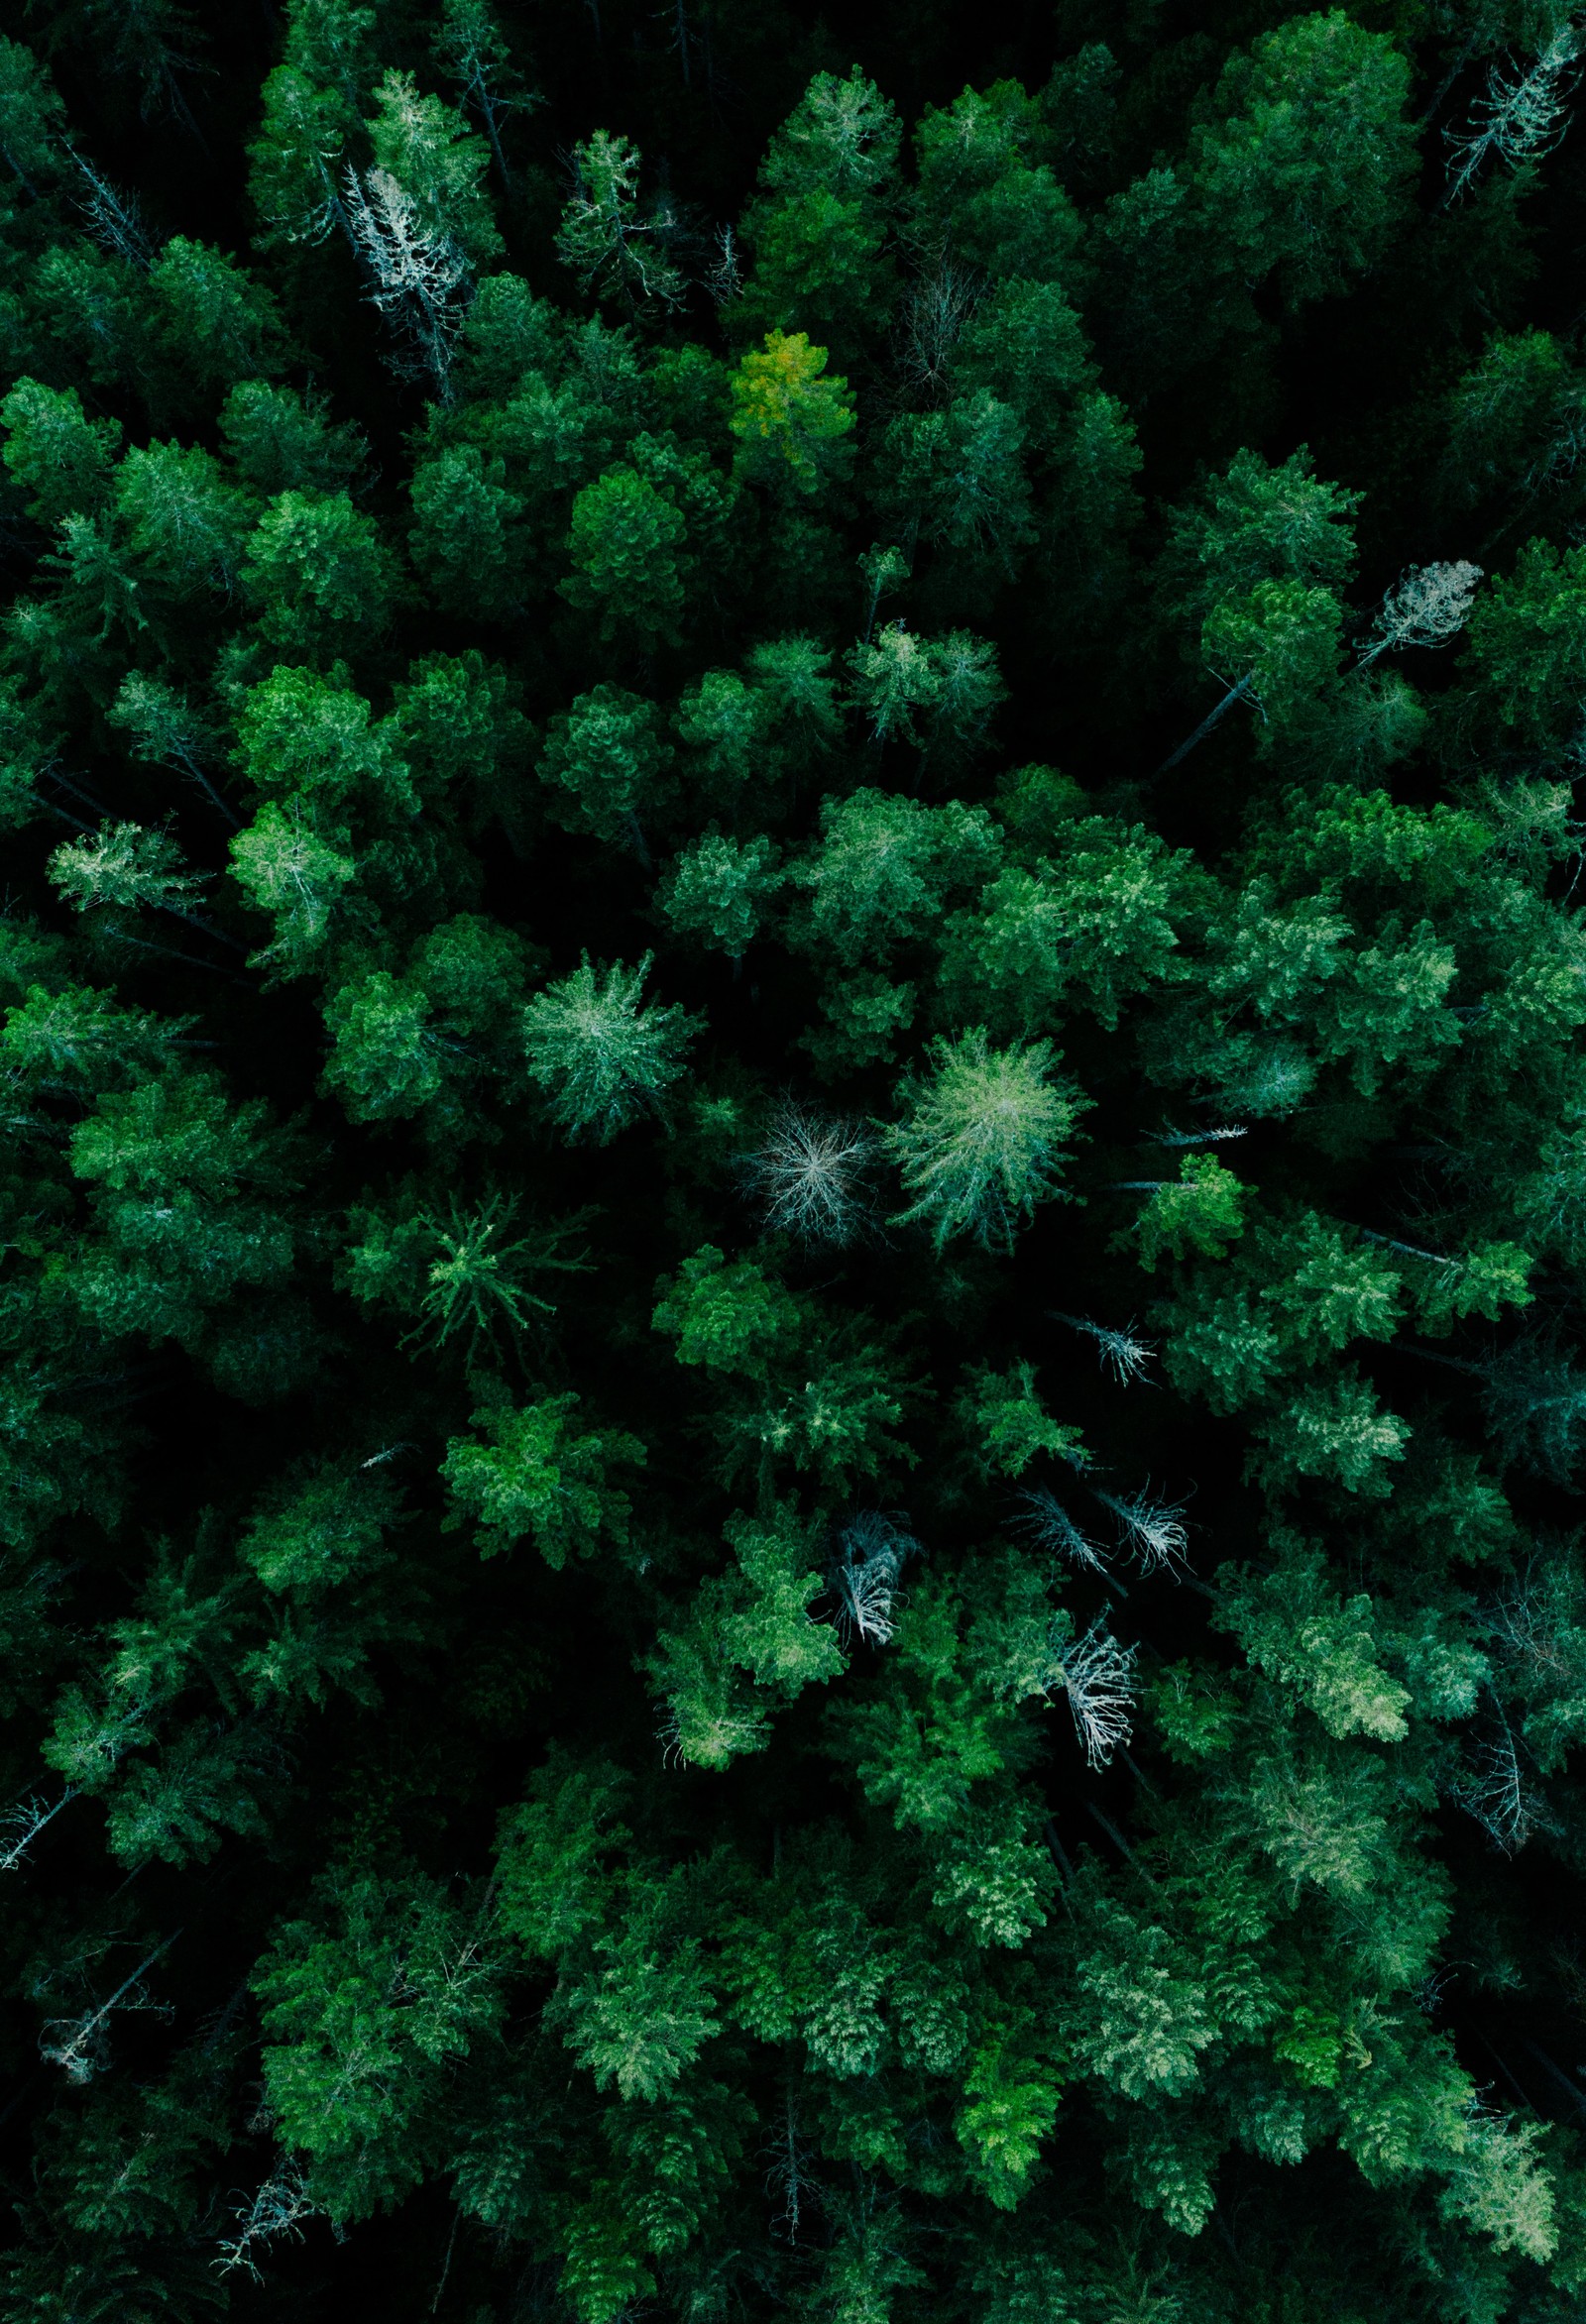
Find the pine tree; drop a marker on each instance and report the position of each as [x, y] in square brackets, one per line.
[601, 1059]
[982, 1140]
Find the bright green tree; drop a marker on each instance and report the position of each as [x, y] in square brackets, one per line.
[599, 1054]
[983, 1137]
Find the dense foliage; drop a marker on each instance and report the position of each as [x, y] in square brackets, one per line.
[795, 1163]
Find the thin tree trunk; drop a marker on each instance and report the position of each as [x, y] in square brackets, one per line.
[1233, 694]
[15, 1854]
[170, 953]
[1055, 1848]
[487, 106]
[1446, 83]
[195, 773]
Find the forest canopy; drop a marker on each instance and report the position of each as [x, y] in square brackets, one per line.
[793, 1077]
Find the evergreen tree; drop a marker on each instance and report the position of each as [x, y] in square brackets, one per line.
[599, 1057]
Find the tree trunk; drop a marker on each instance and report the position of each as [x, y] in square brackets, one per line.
[1233, 694]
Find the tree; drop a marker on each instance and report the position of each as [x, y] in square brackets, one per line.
[283, 441]
[811, 1175]
[542, 1475]
[791, 422]
[819, 227]
[1257, 523]
[1024, 345]
[77, 1039]
[884, 868]
[1284, 640]
[841, 135]
[310, 112]
[606, 759]
[466, 539]
[626, 538]
[819, 269]
[1428, 608]
[717, 890]
[427, 150]
[318, 573]
[956, 480]
[1518, 120]
[730, 1316]
[184, 525]
[1200, 1210]
[417, 272]
[403, 1045]
[599, 1058]
[218, 326]
[31, 117]
[1514, 425]
[727, 725]
[462, 734]
[986, 194]
[165, 732]
[1297, 1627]
[315, 741]
[1098, 1678]
[1527, 638]
[1301, 172]
[1010, 1426]
[126, 865]
[753, 1622]
[614, 245]
[983, 1138]
[363, 2004]
[386, 1056]
[187, 1193]
[1306, 171]
[1093, 513]
[470, 46]
[61, 458]
[1093, 923]
[938, 693]
[1333, 1430]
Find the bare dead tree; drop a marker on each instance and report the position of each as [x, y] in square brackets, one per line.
[811, 1174]
[81, 2045]
[25, 1821]
[1171, 1137]
[937, 306]
[790, 2176]
[419, 278]
[724, 277]
[1055, 1530]
[1120, 1352]
[1149, 1531]
[1520, 117]
[275, 2213]
[872, 1549]
[1098, 1676]
[114, 219]
[1495, 1789]
[1428, 608]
